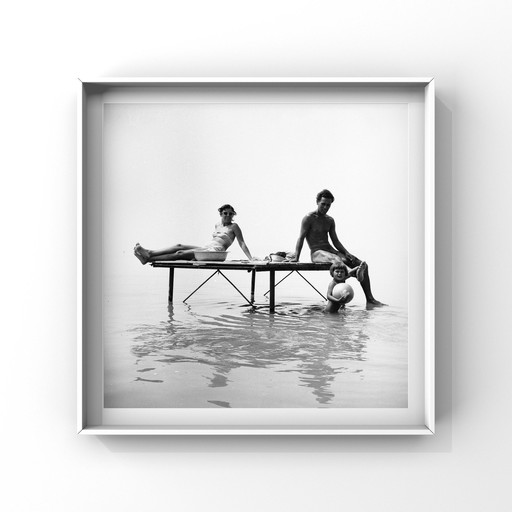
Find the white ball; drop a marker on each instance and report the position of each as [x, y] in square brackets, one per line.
[343, 291]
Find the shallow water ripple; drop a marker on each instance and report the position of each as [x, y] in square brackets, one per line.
[212, 354]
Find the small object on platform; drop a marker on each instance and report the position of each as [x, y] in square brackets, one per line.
[280, 256]
[210, 255]
[276, 258]
[344, 292]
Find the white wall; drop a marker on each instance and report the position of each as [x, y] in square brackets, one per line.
[47, 45]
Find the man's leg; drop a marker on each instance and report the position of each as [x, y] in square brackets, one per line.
[325, 257]
[322, 256]
[365, 282]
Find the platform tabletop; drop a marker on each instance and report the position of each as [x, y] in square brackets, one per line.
[258, 266]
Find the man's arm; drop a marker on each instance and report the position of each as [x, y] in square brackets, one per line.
[336, 242]
[304, 228]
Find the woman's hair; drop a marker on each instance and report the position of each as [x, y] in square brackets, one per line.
[226, 207]
[324, 193]
[335, 265]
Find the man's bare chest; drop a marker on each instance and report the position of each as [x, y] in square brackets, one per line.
[320, 226]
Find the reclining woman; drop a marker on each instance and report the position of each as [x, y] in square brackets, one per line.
[224, 235]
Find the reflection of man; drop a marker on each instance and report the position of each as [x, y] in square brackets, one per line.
[316, 227]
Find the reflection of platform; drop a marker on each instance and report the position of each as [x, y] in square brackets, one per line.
[249, 266]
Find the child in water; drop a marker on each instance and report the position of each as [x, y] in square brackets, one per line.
[340, 273]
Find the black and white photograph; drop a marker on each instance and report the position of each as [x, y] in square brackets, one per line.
[256, 253]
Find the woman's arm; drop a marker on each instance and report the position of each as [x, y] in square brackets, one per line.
[241, 242]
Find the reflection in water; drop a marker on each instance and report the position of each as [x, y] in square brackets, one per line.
[345, 341]
[156, 381]
[220, 403]
[215, 342]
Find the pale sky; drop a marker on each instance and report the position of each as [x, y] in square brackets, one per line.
[168, 167]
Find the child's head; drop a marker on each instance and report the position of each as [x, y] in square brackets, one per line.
[338, 270]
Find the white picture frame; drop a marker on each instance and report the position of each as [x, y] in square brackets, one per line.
[93, 419]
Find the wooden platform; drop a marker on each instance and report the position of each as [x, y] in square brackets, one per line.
[248, 266]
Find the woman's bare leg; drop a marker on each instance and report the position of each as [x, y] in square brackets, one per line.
[182, 254]
[172, 250]
[176, 252]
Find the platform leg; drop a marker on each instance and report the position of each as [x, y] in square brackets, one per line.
[253, 285]
[272, 275]
[171, 285]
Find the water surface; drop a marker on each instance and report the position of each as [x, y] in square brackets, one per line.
[216, 351]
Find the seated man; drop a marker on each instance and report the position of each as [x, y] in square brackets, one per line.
[316, 227]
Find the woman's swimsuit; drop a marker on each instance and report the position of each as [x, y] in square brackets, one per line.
[221, 239]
